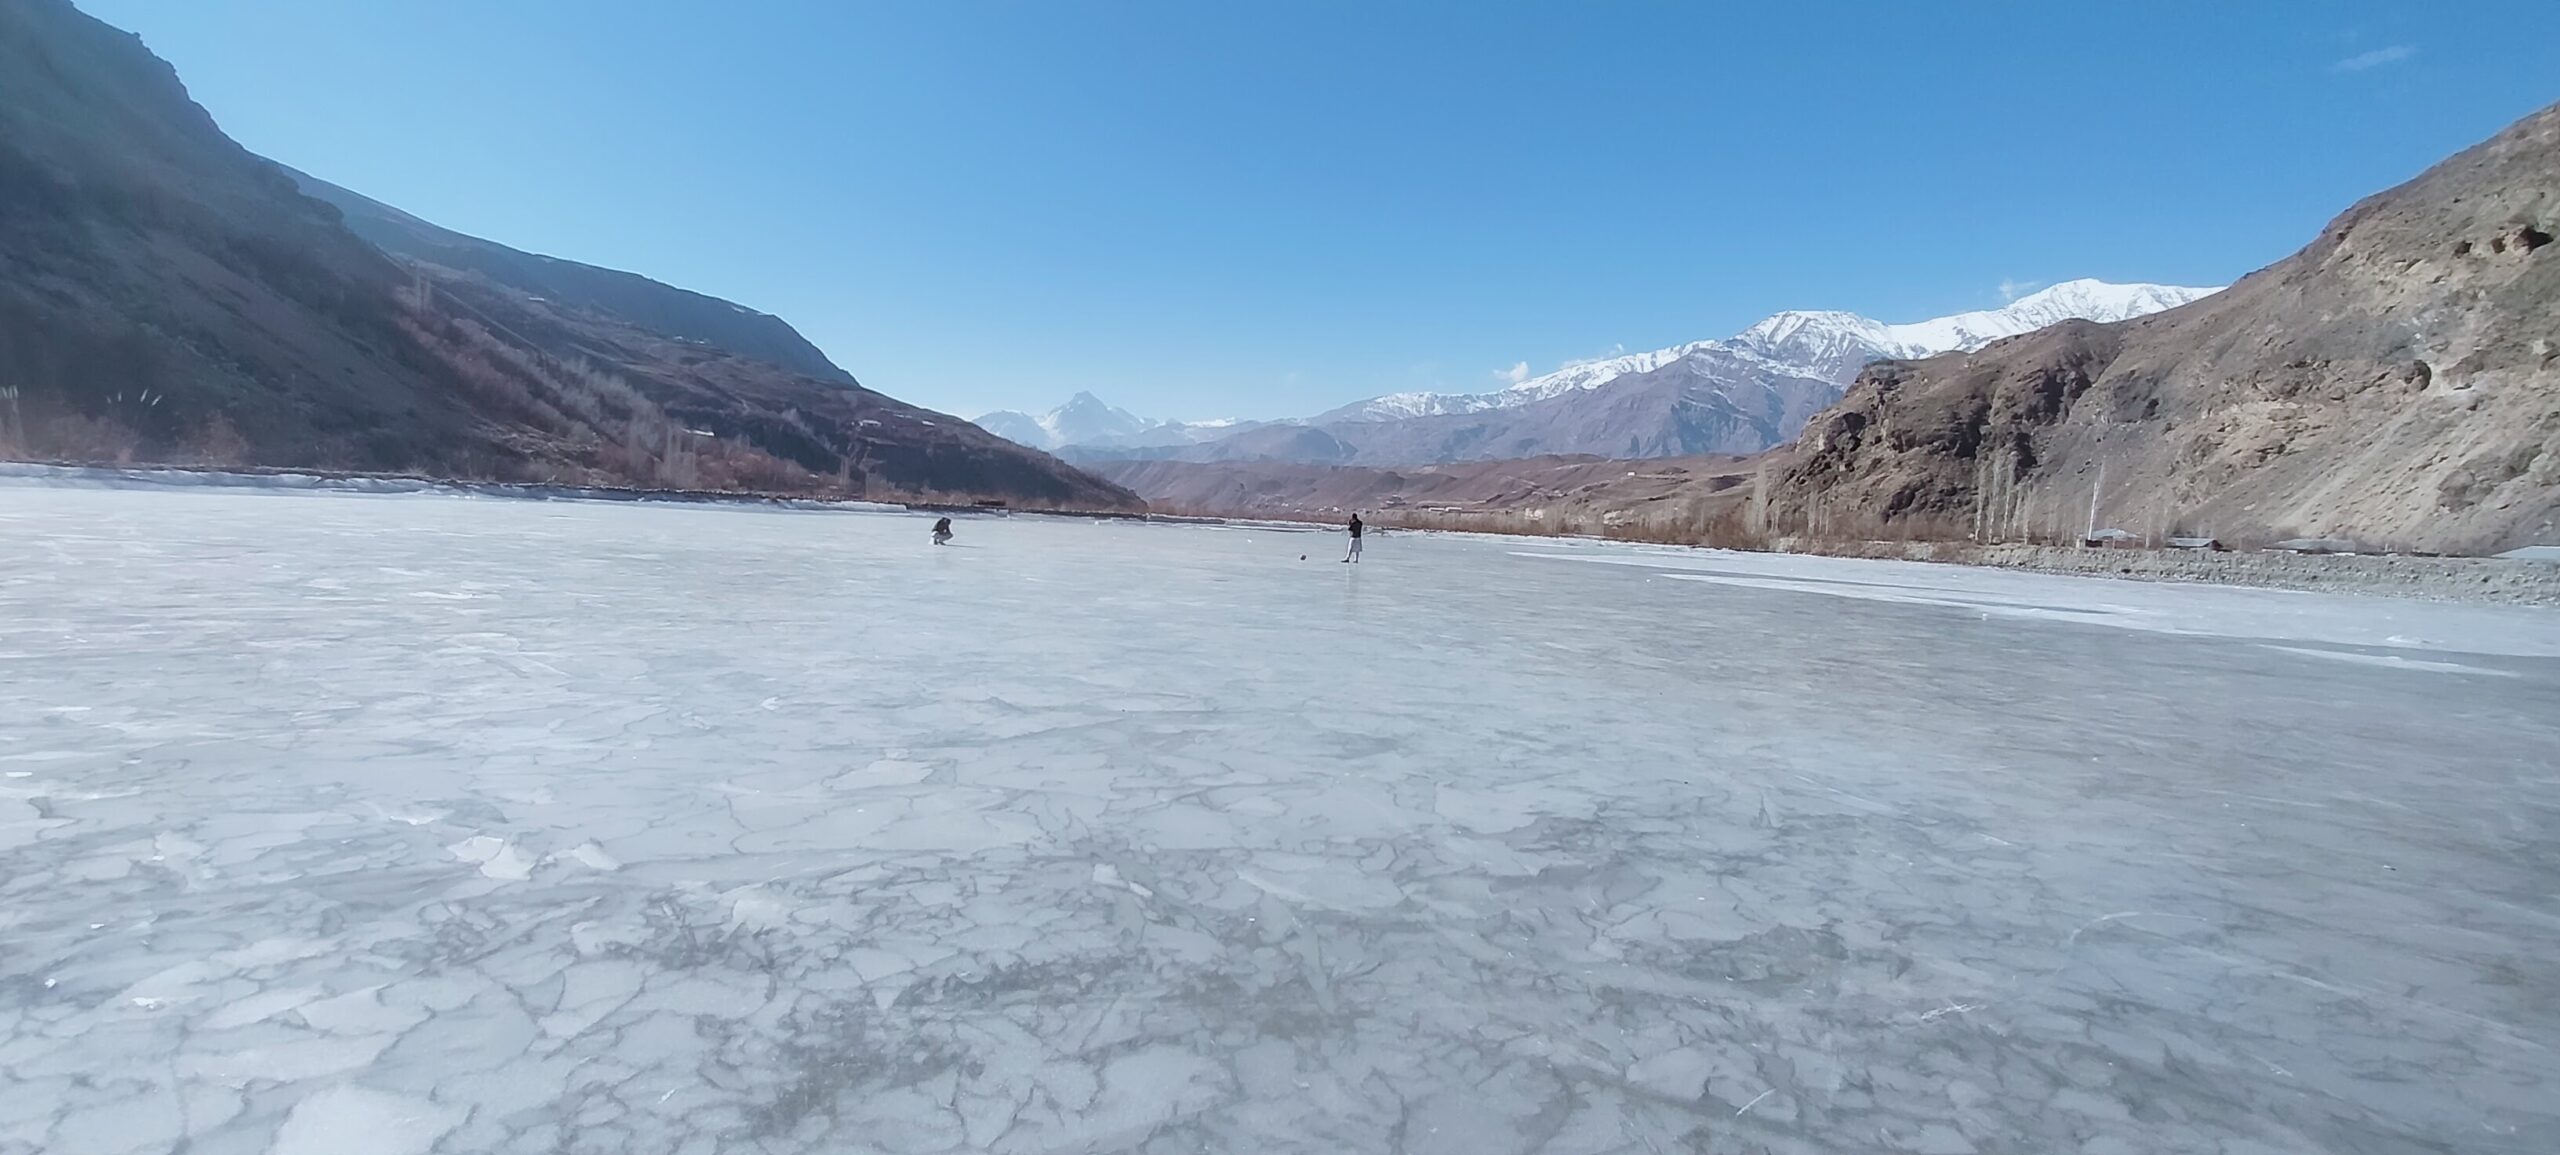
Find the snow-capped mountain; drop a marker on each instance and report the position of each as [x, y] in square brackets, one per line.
[1576, 376]
[1828, 346]
[1084, 417]
[1087, 420]
[1741, 394]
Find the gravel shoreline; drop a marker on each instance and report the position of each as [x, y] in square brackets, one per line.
[2447, 579]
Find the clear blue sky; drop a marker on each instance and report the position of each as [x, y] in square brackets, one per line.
[1204, 208]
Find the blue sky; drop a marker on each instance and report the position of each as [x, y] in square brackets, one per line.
[1205, 209]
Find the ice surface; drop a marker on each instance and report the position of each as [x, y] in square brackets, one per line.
[415, 822]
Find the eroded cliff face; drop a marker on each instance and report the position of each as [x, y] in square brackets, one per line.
[2396, 382]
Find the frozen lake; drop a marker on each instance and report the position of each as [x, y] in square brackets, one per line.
[347, 825]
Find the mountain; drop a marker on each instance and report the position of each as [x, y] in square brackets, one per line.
[1739, 395]
[1711, 400]
[1825, 346]
[1572, 378]
[1084, 417]
[1019, 428]
[1087, 421]
[678, 313]
[167, 296]
[2396, 382]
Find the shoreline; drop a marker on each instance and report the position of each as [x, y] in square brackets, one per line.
[2482, 580]
[2485, 580]
[301, 480]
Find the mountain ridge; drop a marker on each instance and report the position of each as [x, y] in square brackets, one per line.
[1808, 341]
[645, 301]
[1087, 420]
[168, 296]
[1736, 395]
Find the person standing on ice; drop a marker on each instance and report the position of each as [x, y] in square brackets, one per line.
[1354, 555]
[942, 531]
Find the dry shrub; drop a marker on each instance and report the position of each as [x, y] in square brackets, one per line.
[13, 427]
[96, 440]
[219, 443]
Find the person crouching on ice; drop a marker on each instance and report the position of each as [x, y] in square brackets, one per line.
[942, 531]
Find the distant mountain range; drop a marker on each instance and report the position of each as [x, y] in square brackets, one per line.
[1826, 346]
[167, 296]
[1088, 421]
[1741, 394]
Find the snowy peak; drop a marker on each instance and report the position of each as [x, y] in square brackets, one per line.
[1090, 421]
[2089, 300]
[2082, 300]
[1824, 345]
[1780, 328]
[1573, 376]
[1817, 348]
[1017, 427]
[1086, 417]
[1828, 346]
[1083, 418]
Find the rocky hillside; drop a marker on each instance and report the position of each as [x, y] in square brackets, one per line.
[167, 296]
[2395, 383]
[1103, 430]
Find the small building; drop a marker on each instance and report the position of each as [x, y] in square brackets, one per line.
[2110, 539]
[2205, 543]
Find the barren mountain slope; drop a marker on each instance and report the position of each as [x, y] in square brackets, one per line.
[588, 396]
[167, 296]
[636, 299]
[155, 277]
[2396, 382]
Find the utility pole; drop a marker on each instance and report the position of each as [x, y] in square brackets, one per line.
[2095, 489]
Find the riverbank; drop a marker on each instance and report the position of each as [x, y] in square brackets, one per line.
[2449, 579]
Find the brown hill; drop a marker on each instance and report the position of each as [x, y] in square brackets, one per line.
[167, 296]
[2397, 382]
